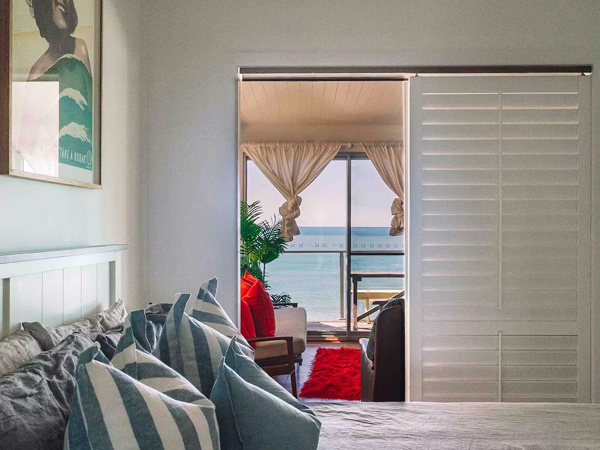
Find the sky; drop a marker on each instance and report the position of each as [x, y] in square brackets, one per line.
[324, 201]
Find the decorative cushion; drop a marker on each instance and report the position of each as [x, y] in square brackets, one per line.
[135, 333]
[113, 410]
[48, 337]
[208, 311]
[157, 313]
[35, 399]
[16, 349]
[262, 309]
[154, 327]
[396, 300]
[149, 370]
[192, 348]
[158, 308]
[245, 284]
[108, 341]
[247, 322]
[156, 316]
[168, 349]
[250, 418]
[253, 374]
[251, 278]
[113, 316]
[135, 337]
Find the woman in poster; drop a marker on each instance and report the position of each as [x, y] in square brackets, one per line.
[67, 61]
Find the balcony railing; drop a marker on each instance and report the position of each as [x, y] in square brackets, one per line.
[344, 283]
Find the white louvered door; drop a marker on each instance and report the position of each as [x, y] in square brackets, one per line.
[499, 238]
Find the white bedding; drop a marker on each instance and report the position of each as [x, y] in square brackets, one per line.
[444, 426]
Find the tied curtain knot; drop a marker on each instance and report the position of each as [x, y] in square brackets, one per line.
[291, 167]
[388, 159]
[397, 227]
[290, 211]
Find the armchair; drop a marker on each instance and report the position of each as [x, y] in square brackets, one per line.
[383, 380]
[278, 355]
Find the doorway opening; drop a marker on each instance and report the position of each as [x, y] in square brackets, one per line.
[344, 264]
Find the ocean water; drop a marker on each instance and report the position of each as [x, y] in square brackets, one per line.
[313, 279]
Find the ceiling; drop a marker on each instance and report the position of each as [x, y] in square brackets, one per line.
[306, 103]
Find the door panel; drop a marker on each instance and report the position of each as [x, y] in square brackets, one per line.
[499, 227]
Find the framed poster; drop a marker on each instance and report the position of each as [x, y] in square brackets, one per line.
[50, 64]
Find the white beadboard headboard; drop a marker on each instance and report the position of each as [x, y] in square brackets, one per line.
[57, 287]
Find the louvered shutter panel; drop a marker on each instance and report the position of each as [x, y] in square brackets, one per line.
[499, 238]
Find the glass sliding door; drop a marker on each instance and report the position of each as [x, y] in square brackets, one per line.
[344, 242]
[376, 258]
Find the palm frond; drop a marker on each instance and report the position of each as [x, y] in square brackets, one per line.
[271, 242]
[260, 242]
[251, 212]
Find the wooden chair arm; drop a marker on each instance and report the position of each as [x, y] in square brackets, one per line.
[289, 340]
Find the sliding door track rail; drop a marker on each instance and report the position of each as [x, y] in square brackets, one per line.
[399, 73]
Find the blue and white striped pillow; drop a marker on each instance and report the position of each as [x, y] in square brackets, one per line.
[208, 311]
[110, 409]
[133, 335]
[192, 348]
[133, 358]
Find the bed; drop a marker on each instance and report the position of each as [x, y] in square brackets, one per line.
[445, 426]
[63, 286]
[64, 299]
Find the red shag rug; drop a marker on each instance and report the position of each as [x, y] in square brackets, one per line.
[335, 375]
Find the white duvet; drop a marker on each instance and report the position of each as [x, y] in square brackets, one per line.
[444, 426]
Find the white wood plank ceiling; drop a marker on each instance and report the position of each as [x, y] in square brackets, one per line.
[321, 102]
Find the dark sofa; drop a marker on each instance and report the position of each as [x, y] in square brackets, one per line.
[383, 380]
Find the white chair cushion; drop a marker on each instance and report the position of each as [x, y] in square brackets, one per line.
[289, 322]
[274, 349]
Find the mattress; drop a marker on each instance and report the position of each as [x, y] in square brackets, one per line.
[441, 426]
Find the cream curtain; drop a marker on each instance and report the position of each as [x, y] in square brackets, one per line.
[388, 159]
[291, 167]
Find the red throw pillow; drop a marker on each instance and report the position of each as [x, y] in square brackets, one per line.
[246, 284]
[249, 277]
[246, 322]
[262, 310]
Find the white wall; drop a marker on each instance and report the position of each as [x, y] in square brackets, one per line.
[38, 215]
[192, 52]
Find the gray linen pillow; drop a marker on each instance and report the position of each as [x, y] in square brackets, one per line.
[48, 337]
[113, 316]
[35, 399]
[16, 349]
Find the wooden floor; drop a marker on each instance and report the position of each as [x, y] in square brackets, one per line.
[303, 371]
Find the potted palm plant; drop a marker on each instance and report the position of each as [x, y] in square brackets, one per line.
[260, 244]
